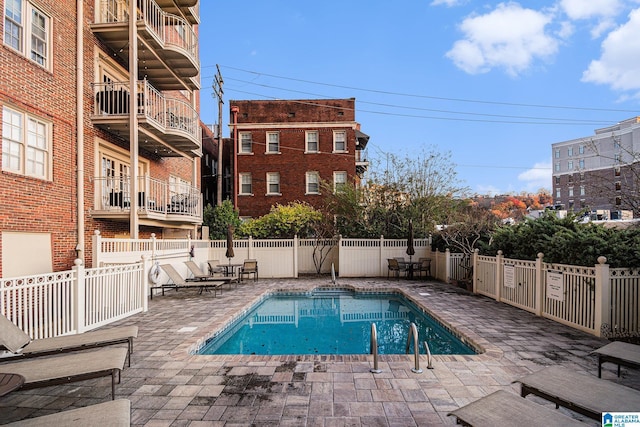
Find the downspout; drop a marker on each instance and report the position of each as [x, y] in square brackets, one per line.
[133, 120]
[80, 126]
[235, 111]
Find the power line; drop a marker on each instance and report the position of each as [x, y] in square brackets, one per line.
[512, 104]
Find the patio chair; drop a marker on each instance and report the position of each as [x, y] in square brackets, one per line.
[198, 275]
[116, 413]
[394, 265]
[69, 367]
[213, 267]
[250, 266]
[16, 341]
[425, 265]
[176, 281]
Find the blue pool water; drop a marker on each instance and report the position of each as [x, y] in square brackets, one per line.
[330, 322]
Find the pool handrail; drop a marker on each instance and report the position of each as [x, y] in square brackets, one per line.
[413, 333]
[374, 349]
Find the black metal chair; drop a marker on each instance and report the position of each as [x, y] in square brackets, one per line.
[394, 265]
[250, 266]
[425, 265]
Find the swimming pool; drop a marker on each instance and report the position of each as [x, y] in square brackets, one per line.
[331, 322]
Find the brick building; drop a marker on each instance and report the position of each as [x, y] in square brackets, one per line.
[286, 148]
[76, 145]
[600, 172]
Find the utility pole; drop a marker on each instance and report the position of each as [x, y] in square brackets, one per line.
[219, 92]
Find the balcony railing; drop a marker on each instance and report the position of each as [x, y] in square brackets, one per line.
[158, 199]
[168, 30]
[166, 114]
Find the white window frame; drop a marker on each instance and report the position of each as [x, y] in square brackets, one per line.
[558, 193]
[336, 141]
[570, 152]
[557, 153]
[26, 144]
[337, 180]
[570, 191]
[312, 178]
[246, 144]
[245, 180]
[581, 149]
[557, 166]
[582, 190]
[268, 147]
[32, 43]
[308, 141]
[273, 178]
[570, 165]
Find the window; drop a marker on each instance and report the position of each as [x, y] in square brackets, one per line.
[339, 181]
[616, 158]
[582, 190]
[570, 205]
[570, 165]
[581, 149]
[246, 144]
[618, 200]
[273, 183]
[313, 183]
[27, 30]
[581, 176]
[273, 142]
[557, 153]
[245, 183]
[311, 142]
[570, 151]
[26, 147]
[581, 163]
[570, 191]
[616, 171]
[570, 178]
[557, 167]
[618, 186]
[558, 193]
[340, 141]
[557, 179]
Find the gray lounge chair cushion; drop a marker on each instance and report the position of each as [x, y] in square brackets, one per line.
[43, 369]
[11, 337]
[95, 338]
[115, 413]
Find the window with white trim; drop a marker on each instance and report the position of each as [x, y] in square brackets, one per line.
[557, 153]
[570, 165]
[557, 167]
[581, 149]
[273, 183]
[245, 183]
[570, 191]
[26, 144]
[581, 163]
[582, 190]
[311, 145]
[313, 182]
[273, 142]
[339, 141]
[570, 151]
[28, 30]
[558, 193]
[246, 143]
[339, 180]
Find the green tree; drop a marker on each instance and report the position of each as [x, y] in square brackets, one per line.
[283, 222]
[217, 218]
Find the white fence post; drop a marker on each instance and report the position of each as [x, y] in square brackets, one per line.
[153, 246]
[602, 296]
[146, 267]
[381, 257]
[447, 266]
[79, 303]
[296, 247]
[539, 292]
[498, 276]
[474, 269]
[97, 247]
[250, 248]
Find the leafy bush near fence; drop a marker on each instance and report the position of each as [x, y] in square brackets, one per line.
[567, 241]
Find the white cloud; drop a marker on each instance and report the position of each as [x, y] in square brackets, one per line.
[539, 176]
[448, 3]
[602, 11]
[619, 63]
[508, 37]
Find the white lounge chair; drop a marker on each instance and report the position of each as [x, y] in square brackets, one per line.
[176, 281]
[116, 413]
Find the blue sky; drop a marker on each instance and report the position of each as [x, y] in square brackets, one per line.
[493, 83]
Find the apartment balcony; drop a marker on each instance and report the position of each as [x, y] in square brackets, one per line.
[167, 43]
[361, 164]
[167, 126]
[159, 202]
[189, 8]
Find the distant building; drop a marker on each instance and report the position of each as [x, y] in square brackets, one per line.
[599, 172]
[286, 148]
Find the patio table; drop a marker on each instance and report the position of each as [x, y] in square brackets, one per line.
[229, 269]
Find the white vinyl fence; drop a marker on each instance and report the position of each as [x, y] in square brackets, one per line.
[74, 301]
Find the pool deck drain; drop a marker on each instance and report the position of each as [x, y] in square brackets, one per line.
[167, 386]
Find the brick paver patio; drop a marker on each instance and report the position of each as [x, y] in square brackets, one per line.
[167, 386]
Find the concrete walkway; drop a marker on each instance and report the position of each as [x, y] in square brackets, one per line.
[169, 387]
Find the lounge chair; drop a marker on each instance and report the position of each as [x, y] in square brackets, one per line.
[620, 353]
[502, 408]
[250, 266]
[15, 340]
[116, 413]
[197, 274]
[582, 393]
[69, 367]
[176, 281]
[213, 267]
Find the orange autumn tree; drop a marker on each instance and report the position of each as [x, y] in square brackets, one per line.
[511, 207]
